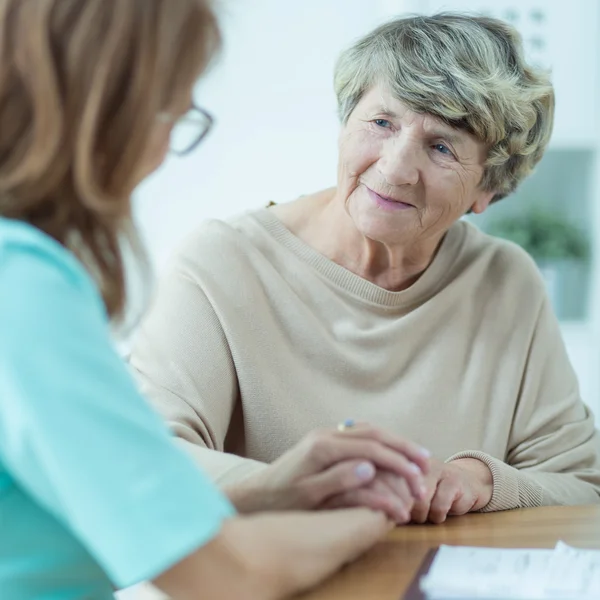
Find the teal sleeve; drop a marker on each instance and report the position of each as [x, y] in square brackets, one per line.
[77, 436]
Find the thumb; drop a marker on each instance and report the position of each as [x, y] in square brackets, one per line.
[339, 478]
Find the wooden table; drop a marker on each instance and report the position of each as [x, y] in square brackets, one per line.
[386, 572]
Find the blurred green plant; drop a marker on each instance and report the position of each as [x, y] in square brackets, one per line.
[545, 235]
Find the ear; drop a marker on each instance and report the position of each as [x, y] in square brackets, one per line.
[482, 202]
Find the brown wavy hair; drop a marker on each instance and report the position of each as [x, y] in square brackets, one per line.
[81, 84]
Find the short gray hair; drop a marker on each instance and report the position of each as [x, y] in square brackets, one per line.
[470, 72]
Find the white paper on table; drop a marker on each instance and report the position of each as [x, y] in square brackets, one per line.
[574, 571]
[563, 573]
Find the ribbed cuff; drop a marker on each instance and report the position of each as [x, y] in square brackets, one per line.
[512, 489]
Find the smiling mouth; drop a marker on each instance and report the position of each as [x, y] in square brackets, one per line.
[387, 199]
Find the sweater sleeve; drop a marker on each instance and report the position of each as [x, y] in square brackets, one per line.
[553, 451]
[182, 360]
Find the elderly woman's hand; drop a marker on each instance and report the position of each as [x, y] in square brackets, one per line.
[387, 493]
[455, 488]
[328, 463]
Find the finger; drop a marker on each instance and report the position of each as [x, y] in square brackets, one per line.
[379, 499]
[400, 489]
[337, 479]
[445, 495]
[413, 452]
[328, 450]
[399, 509]
[400, 493]
[463, 502]
[420, 510]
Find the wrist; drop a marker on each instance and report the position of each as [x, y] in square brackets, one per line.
[231, 565]
[245, 496]
[253, 560]
[260, 558]
[254, 494]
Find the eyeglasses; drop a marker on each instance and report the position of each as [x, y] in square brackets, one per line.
[188, 130]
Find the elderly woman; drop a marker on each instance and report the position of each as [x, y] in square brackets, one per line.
[374, 300]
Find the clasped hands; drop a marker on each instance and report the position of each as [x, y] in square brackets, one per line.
[360, 465]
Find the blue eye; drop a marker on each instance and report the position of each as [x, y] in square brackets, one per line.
[443, 149]
[382, 123]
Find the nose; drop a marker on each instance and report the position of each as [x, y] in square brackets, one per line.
[399, 162]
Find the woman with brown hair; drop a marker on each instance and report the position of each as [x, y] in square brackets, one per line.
[93, 493]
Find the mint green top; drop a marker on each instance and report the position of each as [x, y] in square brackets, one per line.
[93, 493]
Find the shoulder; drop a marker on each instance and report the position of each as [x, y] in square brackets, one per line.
[37, 270]
[33, 250]
[239, 231]
[499, 262]
[233, 247]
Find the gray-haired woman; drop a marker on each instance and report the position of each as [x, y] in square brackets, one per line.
[373, 300]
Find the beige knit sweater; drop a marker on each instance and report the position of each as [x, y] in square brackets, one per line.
[255, 339]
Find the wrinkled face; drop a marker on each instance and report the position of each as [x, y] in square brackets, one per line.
[406, 176]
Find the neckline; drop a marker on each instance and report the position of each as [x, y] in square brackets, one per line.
[425, 287]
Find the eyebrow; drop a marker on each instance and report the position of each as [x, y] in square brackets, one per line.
[452, 135]
[384, 110]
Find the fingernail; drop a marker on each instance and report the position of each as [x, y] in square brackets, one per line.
[424, 452]
[365, 471]
[415, 468]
